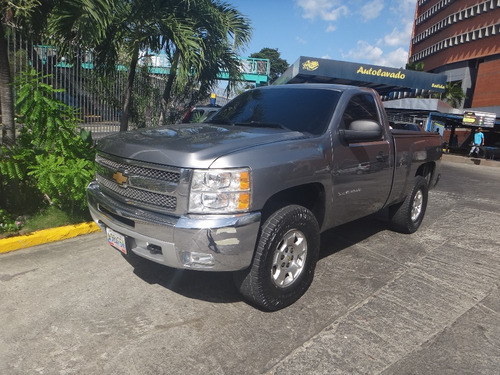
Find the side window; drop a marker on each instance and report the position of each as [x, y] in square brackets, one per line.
[360, 107]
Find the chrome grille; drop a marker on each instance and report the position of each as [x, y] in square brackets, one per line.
[139, 170]
[143, 194]
[140, 196]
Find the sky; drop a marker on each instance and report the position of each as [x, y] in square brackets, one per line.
[374, 32]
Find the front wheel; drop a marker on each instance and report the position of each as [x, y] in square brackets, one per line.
[407, 216]
[284, 261]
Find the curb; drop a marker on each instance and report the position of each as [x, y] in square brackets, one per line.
[470, 160]
[46, 235]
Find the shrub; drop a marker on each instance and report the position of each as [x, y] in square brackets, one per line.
[51, 154]
[7, 223]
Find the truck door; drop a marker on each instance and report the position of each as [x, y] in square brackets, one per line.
[361, 171]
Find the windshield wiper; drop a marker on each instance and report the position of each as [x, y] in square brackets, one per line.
[263, 124]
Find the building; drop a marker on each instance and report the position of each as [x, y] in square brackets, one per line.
[461, 39]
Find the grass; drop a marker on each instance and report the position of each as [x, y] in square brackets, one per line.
[50, 217]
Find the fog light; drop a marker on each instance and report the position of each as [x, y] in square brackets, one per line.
[197, 260]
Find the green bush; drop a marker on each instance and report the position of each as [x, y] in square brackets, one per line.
[8, 223]
[52, 158]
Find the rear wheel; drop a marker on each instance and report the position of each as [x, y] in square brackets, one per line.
[284, 261]
[407, 216]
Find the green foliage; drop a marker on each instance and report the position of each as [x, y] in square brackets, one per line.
[418, 66]
[8, 223]
[197, 117]
[51, 155]
[48, 123]
[51, 217]
[18, 193]
[278, 65]
[64, 180]
[453, 94]
[146, 97]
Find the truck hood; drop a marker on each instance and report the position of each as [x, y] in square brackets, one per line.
[190, 145]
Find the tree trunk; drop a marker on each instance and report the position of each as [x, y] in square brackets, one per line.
[127, 100]
[6, 94]
[168, 87]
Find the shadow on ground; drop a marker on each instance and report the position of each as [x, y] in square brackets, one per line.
[218, 287]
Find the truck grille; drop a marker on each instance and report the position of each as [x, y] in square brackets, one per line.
[142, 171]
[148, 178]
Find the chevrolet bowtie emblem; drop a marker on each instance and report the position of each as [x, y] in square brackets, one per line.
[120, 178]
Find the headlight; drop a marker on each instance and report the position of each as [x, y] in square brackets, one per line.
[220, 191]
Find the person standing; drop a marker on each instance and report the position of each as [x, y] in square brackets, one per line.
[478, 142]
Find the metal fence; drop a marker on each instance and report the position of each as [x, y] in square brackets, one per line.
[98, 96]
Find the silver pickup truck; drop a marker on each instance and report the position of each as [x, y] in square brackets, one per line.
[252, 190]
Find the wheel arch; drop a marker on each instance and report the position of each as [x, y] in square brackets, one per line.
[427, 171]
[310, 196]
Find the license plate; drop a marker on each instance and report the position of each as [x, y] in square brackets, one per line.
[116, 240]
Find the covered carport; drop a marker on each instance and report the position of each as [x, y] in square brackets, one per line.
[459, 130]
[456, 126]
[390, 83]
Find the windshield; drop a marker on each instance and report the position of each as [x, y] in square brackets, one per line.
[299, 109]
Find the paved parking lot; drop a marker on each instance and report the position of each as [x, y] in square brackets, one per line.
[381, 303]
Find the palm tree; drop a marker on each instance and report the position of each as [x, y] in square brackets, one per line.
[71, 21]
[222, 31]
[6, 93]
[200, 37]
[453, 94]
[12, 14]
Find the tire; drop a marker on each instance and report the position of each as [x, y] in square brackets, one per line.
[285, 259]
[407, 216]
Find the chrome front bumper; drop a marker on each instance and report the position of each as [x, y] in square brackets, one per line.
[204, 242]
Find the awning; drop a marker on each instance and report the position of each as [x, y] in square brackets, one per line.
[421, 104]
[380, 78]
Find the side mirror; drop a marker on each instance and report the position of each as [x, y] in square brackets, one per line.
[362, 131]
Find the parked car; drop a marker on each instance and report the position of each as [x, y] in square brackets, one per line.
[405, 126]
[492, 152]
[200, 113]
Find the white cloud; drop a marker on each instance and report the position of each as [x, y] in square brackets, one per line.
[331, 28]
[398, 37]
[404, 12]
[364, 52]
[300, 40]
[326, 10]
[405, 9]
[388, 48]
[372, 10]
[372, 54]
[396, 58]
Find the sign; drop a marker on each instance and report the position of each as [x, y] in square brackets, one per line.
[384, 79]
[484, 119]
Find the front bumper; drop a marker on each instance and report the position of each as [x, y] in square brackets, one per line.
[205, 242]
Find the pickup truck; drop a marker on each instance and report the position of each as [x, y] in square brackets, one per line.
[252, 190]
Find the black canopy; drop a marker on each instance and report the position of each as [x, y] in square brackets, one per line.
[383, 79]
